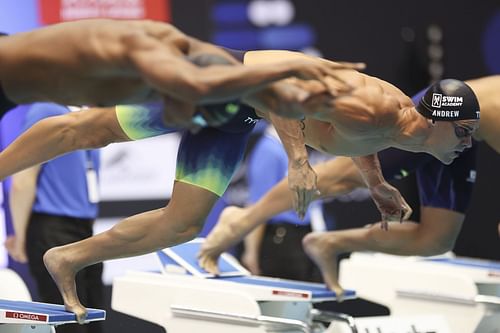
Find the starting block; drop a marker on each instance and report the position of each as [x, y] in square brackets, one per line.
[33, 317]
[459, 295]
[185, 298]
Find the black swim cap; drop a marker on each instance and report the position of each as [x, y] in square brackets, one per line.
[449, 100]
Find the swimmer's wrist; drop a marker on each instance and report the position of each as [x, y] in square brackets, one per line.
[373, 181]
[298, 162]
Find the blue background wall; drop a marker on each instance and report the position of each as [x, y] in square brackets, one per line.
[17, 16]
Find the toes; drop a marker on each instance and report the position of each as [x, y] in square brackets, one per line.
[201, 262]
[212, 266]
[208, 265]
[80, 313]
[339, 293]
[81, 317]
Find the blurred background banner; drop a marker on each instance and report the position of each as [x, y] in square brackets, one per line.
[144, 171]
[54, 11]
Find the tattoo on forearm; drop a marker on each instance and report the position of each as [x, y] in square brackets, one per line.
[302, 125]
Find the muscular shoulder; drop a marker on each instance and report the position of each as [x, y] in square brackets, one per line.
[117, 39]
[115, 32]
[158, 29]
[385, 101]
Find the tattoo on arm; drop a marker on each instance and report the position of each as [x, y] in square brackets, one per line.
[302, 126]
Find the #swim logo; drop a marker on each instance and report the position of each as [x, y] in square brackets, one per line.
[438, 100]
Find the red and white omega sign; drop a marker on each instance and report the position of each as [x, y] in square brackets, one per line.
[25, 316]
[54, 11]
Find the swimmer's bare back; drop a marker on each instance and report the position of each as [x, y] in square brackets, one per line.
[83, 62]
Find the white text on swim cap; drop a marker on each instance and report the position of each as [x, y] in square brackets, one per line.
[446, 114]
[438, 100]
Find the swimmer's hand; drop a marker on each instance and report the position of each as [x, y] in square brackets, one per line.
[312, 68]
[177, 113]
[390, 203]
[302, 181]
[180, 114]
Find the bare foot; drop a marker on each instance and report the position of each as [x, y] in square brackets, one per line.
[63, 272]
[227, 232]
[319, 247]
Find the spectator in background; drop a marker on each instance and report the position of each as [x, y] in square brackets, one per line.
[54, 204]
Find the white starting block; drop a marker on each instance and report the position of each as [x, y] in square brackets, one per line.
[457, 295]
[19, 315]
[185, 298]
[12, 286]
[33, 317]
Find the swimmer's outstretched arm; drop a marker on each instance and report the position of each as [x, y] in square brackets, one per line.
[54, 136]
[177, 77]
[336, 84]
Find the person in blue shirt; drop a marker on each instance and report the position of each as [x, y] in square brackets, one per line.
[54, 204]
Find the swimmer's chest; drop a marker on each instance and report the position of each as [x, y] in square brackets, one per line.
[327, 138]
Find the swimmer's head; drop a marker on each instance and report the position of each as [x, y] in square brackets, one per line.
[454, 110]
[449, 100]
